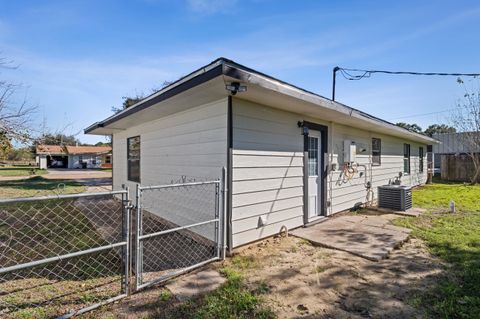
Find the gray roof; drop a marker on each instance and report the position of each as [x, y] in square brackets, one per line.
[229, 68]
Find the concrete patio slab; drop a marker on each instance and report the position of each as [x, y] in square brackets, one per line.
[194, 284]
[367, 236]
[412, 212]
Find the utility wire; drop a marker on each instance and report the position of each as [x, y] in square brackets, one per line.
[346, 73]
[367, 73]
[431, 113]
[422, 114]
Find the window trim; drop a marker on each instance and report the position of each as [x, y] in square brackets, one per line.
[129, 160]
[421, 158]
[407, 156]
[379, 163]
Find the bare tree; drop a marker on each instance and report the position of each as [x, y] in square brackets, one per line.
[466, 119]
[15, 116]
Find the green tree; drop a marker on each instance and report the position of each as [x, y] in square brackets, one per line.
[439, 129]
[20, 154]
[127, 102]
[411, 127]
[56, 139]
[103, 144]
[5, 145]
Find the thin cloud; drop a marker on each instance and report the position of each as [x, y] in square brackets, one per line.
[211, 6]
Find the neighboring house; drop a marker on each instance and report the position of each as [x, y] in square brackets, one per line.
[50, 156]
[292, 156]
[451, 157]
[56, 156]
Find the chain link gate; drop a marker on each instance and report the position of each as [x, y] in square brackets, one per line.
[63, 255]
[179, 227]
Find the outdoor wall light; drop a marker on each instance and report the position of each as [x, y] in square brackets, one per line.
[235, 87]
[305, 130]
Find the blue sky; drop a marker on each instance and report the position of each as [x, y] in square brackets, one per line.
[78, 58]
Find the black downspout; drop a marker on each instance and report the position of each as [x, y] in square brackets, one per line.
[229, 174]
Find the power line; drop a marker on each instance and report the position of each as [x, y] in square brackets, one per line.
[368, 73]
[422, 114]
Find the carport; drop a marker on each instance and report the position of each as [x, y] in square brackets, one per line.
[51, 156]
[57, 161]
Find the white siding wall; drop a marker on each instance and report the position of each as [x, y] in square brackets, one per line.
[191, 144]
[344, 194]
[268, 169]
[42, 161]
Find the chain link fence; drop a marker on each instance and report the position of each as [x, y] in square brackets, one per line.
[62, 255]
[180, 228]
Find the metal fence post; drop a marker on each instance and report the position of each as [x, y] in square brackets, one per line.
[223, 215]
[128, 238]
[218, 237]
[138, 233]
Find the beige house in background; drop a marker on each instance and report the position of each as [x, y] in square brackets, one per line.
[58, 156]
[292, 157]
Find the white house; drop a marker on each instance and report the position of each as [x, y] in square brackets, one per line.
[292, 156]
[68, 156]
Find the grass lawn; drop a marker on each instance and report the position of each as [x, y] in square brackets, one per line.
[231, 301]
[39, 186]
[21, 171]
[454, 238]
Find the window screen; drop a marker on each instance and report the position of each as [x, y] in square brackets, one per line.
[406, 158]
[133, 159]
[312, 156]
[376, 151]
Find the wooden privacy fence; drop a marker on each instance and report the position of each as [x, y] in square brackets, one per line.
[457, 167]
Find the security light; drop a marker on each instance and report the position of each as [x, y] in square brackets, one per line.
[235, 87]
[305, 130]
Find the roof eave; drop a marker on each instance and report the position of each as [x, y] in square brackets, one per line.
[226, 67]
[191, 80]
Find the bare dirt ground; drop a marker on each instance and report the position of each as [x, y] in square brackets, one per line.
[314, 282]
[305, 281]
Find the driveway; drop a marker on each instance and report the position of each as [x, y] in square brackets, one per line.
[63, 173]
[96, 180]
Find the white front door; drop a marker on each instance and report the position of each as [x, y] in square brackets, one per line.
[314, 174]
